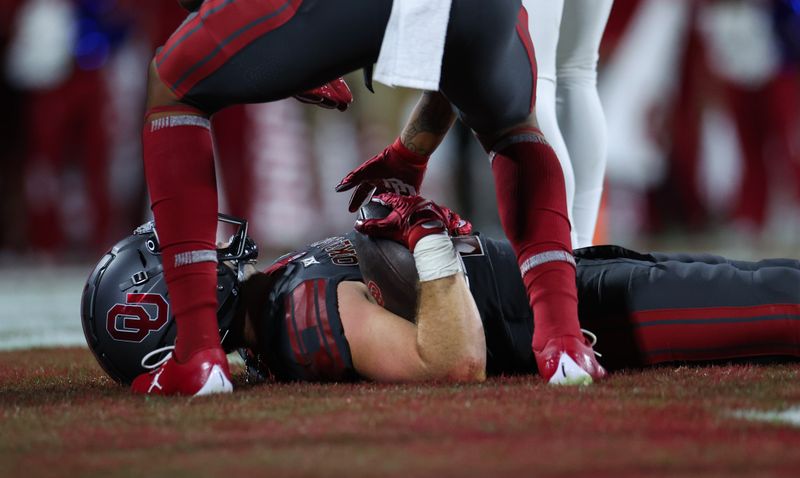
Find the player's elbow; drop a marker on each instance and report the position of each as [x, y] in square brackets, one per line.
[470, 369]
[465, 367]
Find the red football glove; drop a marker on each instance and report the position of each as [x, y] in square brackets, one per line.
[396, 170]
[411, 219]
[335, 94]
[455, 225]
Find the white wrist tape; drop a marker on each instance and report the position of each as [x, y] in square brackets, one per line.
[436, 258]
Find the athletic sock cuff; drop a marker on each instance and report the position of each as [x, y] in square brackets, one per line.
[545, 257]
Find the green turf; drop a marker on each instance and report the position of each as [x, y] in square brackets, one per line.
[59, 416]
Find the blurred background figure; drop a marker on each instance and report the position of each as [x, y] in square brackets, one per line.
[702, 105]
[56, 57]
[567, 36]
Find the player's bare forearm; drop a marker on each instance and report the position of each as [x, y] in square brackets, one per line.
[450, 337]
[429, 123]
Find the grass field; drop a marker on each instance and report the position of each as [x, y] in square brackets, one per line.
[62, 417]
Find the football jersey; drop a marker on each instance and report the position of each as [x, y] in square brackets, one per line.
[303, 338]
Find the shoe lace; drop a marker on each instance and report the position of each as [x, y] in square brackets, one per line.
[166, 357]
[160, 361]
[592, 340]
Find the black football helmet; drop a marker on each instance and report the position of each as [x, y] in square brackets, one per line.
[125, 307]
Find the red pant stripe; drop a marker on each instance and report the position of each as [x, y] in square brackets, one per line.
[525, 36]
[718, 332]
[190, 27]
[222, 33]
[648, 318]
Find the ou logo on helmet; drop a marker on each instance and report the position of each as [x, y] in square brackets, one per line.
[136, 319]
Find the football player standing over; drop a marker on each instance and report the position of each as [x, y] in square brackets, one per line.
[567, 36]
[252, 51]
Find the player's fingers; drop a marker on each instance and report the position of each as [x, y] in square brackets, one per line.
[353, 178]
[383, 227]
[369, 227]
[360, 195]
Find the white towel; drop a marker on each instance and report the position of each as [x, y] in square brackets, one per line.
[413, 45]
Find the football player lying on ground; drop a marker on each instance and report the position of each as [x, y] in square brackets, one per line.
[473, 56]
[351, 307]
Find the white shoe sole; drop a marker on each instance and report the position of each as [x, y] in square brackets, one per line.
[217, 383]
[569, 373]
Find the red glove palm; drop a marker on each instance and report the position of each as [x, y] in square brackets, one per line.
[335, 94]
[411, 219]
[396, 170]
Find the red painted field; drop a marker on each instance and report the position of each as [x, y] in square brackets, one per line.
[61, 417]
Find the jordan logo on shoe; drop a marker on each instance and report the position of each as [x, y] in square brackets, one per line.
[155, 383]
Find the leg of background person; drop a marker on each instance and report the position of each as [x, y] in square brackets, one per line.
[231, 128]
[580, 113]
[544, 19]
[686, 132]
[95, 155]
[12, 233]
[48, 138]
[784, 100]
[748, 111]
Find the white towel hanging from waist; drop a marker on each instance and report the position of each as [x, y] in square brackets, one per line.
[413, 45]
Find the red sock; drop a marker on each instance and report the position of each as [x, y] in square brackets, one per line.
[533, 210]
[179, 167]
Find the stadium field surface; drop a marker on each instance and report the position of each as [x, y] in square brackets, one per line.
[60, 416]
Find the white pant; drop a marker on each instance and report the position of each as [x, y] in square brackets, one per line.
[566, 37]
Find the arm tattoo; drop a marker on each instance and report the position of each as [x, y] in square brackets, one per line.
[427, 126]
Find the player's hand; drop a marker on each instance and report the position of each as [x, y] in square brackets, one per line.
[396, 170]
[455, 225]
[411, 219]
[333, 95]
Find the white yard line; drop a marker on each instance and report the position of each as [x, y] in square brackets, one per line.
[40, 307]
[789, 416]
